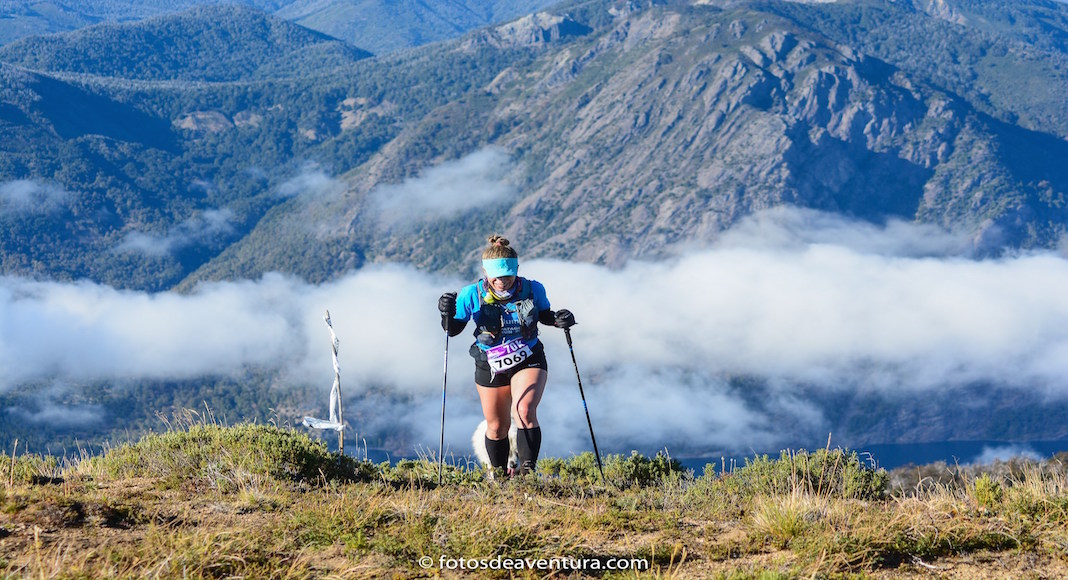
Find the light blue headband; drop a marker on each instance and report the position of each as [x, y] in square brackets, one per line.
[500, 267]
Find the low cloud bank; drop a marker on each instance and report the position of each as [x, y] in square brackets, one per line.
[789, 296]
[826, 312]
[312, 183]
[204, 228]
[23, 196]
[445, 191]
[1006, 452]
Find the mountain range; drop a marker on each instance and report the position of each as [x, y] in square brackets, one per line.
[375, 25]
[182, 148]
[647, 126]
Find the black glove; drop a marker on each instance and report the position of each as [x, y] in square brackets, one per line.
[564, 319]
[447, 304]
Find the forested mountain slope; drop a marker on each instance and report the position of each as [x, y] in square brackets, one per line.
[210, 43]
[626, 129]
[380, 26]
[648, 128]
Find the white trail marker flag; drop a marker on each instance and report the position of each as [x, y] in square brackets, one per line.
[336, 422]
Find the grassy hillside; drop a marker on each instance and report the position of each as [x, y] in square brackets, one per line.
[206, 501]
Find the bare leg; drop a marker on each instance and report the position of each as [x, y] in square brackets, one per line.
[528, 385]
[496, 407]
[496, 403]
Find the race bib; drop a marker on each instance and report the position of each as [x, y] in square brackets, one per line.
[507, 355]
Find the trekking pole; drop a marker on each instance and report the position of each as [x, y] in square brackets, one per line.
[597, 454]
[444, 382]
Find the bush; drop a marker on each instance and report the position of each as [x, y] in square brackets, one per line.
[829, 472]
[1040, 494]
[423, 472]
[29, 468]
[635, 470]
[987, 492]
[212, 453]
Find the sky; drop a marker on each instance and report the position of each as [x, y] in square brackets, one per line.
[789, 296]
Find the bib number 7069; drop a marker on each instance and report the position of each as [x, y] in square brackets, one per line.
[507, 355]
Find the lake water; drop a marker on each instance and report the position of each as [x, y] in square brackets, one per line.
[886, 456]
[890, 456]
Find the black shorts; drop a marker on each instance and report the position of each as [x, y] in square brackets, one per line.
[484, 375]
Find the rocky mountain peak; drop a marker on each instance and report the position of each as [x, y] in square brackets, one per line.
[531, 30]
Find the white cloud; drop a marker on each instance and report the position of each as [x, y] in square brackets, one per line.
[789, 297]
[85, 331]
[202, 228]
[788, 228]
[25, 196]
[819, 311]
[444, 191]
[312, 183]
[59, 416]
[1006, 452]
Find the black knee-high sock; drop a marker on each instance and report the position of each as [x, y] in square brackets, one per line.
[529, 443]
[498, 451]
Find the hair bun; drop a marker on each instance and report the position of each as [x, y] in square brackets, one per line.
[498, 247]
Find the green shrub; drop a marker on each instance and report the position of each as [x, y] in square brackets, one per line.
[424, 472]
[214, 453]
[29, 468]
[582, 467]
[643, 471]
[830, 472]
[635, 470]
[987, 492]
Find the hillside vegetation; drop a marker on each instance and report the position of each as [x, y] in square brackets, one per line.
[385, 26]
[207, 501]
[629, 130]
[210, 44]
[153, 164]
[380, 26]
